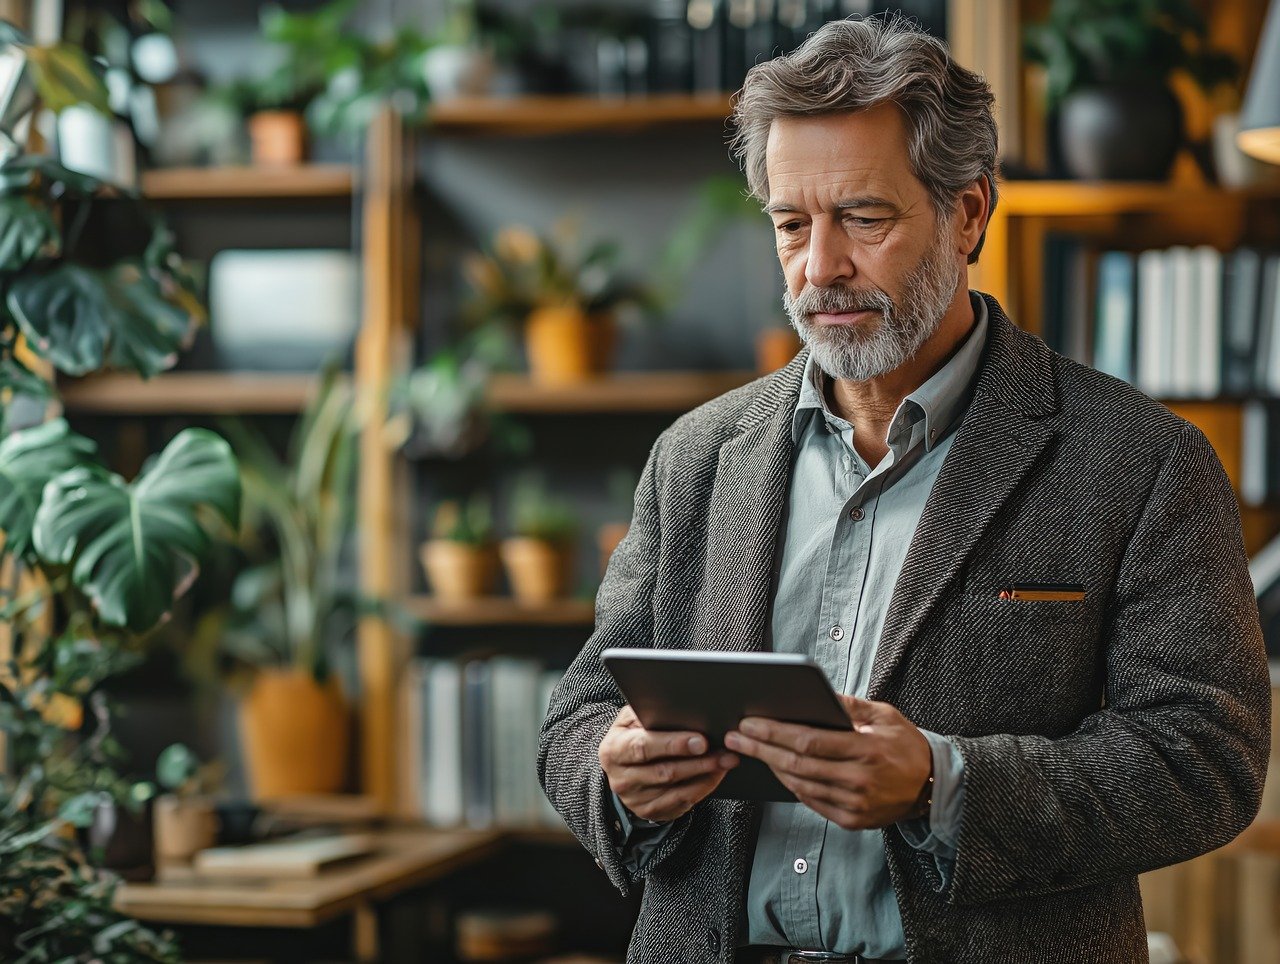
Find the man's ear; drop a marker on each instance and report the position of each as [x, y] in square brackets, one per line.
[974, 210]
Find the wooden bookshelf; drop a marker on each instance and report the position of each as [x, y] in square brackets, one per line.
[538, 115]
[502, 611]
[671, 391]
[189, 393]
[249, 182]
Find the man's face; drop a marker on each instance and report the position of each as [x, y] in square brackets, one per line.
[870, 269]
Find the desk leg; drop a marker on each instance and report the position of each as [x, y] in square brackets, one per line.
[364, 934]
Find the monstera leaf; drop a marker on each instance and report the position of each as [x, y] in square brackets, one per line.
[78, 318]
[134, 547]
[26, 231]
[28, 460]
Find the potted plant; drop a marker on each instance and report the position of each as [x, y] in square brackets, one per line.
[538, 556]
[289, 605]
[563, 295]
[91, 563]
[185, 818]
[461, 559]
[1107, 69]
[456, 64]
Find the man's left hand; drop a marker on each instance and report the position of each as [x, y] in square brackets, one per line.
[866, 777]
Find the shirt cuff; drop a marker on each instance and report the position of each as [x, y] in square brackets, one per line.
[937, 834]
[637, 838]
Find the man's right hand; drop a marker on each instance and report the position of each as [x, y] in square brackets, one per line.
[660, 775]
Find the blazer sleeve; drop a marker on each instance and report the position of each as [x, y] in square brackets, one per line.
[1172, 766]
[585, 703]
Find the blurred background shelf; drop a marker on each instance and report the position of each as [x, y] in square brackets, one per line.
[249, 182]
[190, 393]
[502, 611]
[1067, 198]
[673, 391]
[533, 115]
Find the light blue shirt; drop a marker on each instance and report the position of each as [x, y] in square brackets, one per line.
[845, 537]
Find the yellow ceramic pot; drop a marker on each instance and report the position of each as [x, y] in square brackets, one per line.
[296, 734]
[566, 345]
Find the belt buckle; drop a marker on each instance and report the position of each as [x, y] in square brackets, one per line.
[818, 957]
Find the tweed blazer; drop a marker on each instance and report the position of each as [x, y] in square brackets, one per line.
[1100, 739]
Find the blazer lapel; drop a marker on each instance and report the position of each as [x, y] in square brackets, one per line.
[1000, 439]
[752, 478]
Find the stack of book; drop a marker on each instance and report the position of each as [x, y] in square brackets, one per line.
[1180, 322]
[471, 741]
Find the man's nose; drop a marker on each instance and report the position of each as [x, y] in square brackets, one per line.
[830, 257]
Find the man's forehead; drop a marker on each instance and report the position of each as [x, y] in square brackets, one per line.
[855, 153]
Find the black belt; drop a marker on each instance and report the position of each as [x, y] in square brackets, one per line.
[766, 954]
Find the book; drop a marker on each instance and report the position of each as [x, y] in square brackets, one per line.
[1155, 357]
[1207, 267]
[442, 740]
[1242, 279]
[1114, 338]
[295, 858]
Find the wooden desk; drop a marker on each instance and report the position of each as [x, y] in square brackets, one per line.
[406, 859]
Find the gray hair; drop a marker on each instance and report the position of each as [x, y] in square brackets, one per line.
[855, 64]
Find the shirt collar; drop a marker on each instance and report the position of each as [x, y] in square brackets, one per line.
[940, 400]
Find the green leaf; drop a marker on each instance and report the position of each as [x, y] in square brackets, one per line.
[175, 766]
[133, 548]
[79, 318]
[28, 460]
[79, 810]
[17, 381]
[23, 171]
[27, 231]
[65, 77]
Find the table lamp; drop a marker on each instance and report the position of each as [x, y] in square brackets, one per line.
[1260, 117]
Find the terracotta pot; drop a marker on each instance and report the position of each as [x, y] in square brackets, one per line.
[539, 571]
[607, 538]
[565, 345]
[278, 137]
[183, 826]
[295, 733]
[458, 571]
[775, 347]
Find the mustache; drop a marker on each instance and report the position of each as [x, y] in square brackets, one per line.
[836, 299]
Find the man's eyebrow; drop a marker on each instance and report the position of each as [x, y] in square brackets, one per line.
[848, 204]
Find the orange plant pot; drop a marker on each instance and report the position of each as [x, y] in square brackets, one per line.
[607, 538]
[457, 571]
[775, 347]
[278, 138]
[296, 734]
[565, 345]
[539, 571]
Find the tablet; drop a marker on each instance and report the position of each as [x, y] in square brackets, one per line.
[710, 691]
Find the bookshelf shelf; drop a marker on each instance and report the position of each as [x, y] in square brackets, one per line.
[1075, 198]
[621, 392]
[539, 115]
[190, 393]
[249, 182]
[502, 611]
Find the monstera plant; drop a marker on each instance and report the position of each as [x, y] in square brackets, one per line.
[90, 563]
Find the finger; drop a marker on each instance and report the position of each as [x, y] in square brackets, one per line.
[840, 817]
[805, 740]
[865, 712]
[626, 717]
[785, 758]
[675, 801]
[646, 746]
[667, 772]
[830, 794]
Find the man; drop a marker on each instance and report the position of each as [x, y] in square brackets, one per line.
[1027, 577]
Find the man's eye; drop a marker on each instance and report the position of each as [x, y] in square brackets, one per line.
[790, 227]
[863, 222]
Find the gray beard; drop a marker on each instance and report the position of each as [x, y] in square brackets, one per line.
[859, 352]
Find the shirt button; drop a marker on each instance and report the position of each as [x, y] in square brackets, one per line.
[837, 634]
[856, 513]
[801, 865]
[617, 825]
